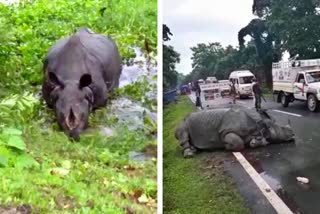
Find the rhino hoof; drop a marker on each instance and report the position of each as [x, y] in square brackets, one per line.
[188, 153]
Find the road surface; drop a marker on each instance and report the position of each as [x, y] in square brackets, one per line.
[279, 165]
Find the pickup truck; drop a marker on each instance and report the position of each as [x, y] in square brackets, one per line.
[297, 80]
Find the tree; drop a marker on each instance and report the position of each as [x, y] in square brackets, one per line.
[214, 60]
[296, 24]
[263, 41]
[166, 32]
[170, 58]
[283, 25]
[204, 58]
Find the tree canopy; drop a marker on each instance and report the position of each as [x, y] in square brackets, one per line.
[280, 25]
[170, 59]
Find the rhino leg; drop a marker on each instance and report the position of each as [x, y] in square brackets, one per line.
[182, 135]
[233, 142]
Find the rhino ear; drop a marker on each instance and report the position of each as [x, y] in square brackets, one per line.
[85, 81]
[54, 79]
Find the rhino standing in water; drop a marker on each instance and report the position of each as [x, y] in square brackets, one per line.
[231, 129]
[79, 71]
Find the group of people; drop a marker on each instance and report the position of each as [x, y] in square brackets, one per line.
[256, 91]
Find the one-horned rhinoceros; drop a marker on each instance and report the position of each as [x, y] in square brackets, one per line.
[79, 71]
[231, 129]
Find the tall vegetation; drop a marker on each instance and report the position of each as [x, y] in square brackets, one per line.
[29, 28]
[280, 25]
[39, 165]
[170, 59]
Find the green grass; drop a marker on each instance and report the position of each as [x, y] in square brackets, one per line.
[94, 175]
[39, 165]
[186, 188]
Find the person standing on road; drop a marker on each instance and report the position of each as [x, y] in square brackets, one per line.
[257, 93]
[198, 93]
[233, 91]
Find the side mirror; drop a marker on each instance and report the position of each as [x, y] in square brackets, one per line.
[302, 81]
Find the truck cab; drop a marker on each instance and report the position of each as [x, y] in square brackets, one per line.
[306, 88]
[298, 80]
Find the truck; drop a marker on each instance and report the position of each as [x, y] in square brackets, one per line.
[211, 80]
[297, 80]
[225, 87]
[211, 94]
[243, 82]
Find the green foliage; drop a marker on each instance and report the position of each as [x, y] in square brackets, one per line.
[214, 60]
[13, 150]
[204, 57]
[295, 23]
[31, 27]
[16, 110]
[283, 25]
[170, 58]
[40, 166]
[142, 90]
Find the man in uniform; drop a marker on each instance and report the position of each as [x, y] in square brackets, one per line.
[233, 91]
[198, 93]
[257, 93]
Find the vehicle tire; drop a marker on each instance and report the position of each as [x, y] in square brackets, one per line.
[240, 96]
[284, 100]
[313, 103]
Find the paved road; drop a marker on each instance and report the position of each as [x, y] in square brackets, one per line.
[279, 165]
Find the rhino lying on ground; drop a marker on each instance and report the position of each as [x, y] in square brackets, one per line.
[231, 129]
[79, 71]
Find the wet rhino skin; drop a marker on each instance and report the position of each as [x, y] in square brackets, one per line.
[81, 53]
[229, 128]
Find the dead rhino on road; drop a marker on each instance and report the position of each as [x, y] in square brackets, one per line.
[231, 129]
[79, 71]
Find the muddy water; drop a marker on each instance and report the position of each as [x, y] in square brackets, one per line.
[130, 111]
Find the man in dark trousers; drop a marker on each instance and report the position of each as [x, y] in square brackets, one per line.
[233, 91]
[198, 93]
[257, 93]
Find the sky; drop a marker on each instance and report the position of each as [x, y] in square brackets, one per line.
[203, 21]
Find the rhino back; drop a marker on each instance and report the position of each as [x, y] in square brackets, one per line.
[85, 52]
[241, 121]
[203, 128]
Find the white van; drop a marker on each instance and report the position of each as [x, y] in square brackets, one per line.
[243, 82]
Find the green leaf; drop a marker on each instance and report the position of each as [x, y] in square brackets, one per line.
[11, 131]
[16, 142]
[26, 161]
[3, 160]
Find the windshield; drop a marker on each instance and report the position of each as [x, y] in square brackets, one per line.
[245, 80]
[313, 77]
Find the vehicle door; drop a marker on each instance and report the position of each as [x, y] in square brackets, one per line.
[300, 87]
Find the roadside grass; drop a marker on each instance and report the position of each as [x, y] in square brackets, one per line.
[186, 189]
[41, 169]
[95, 175]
